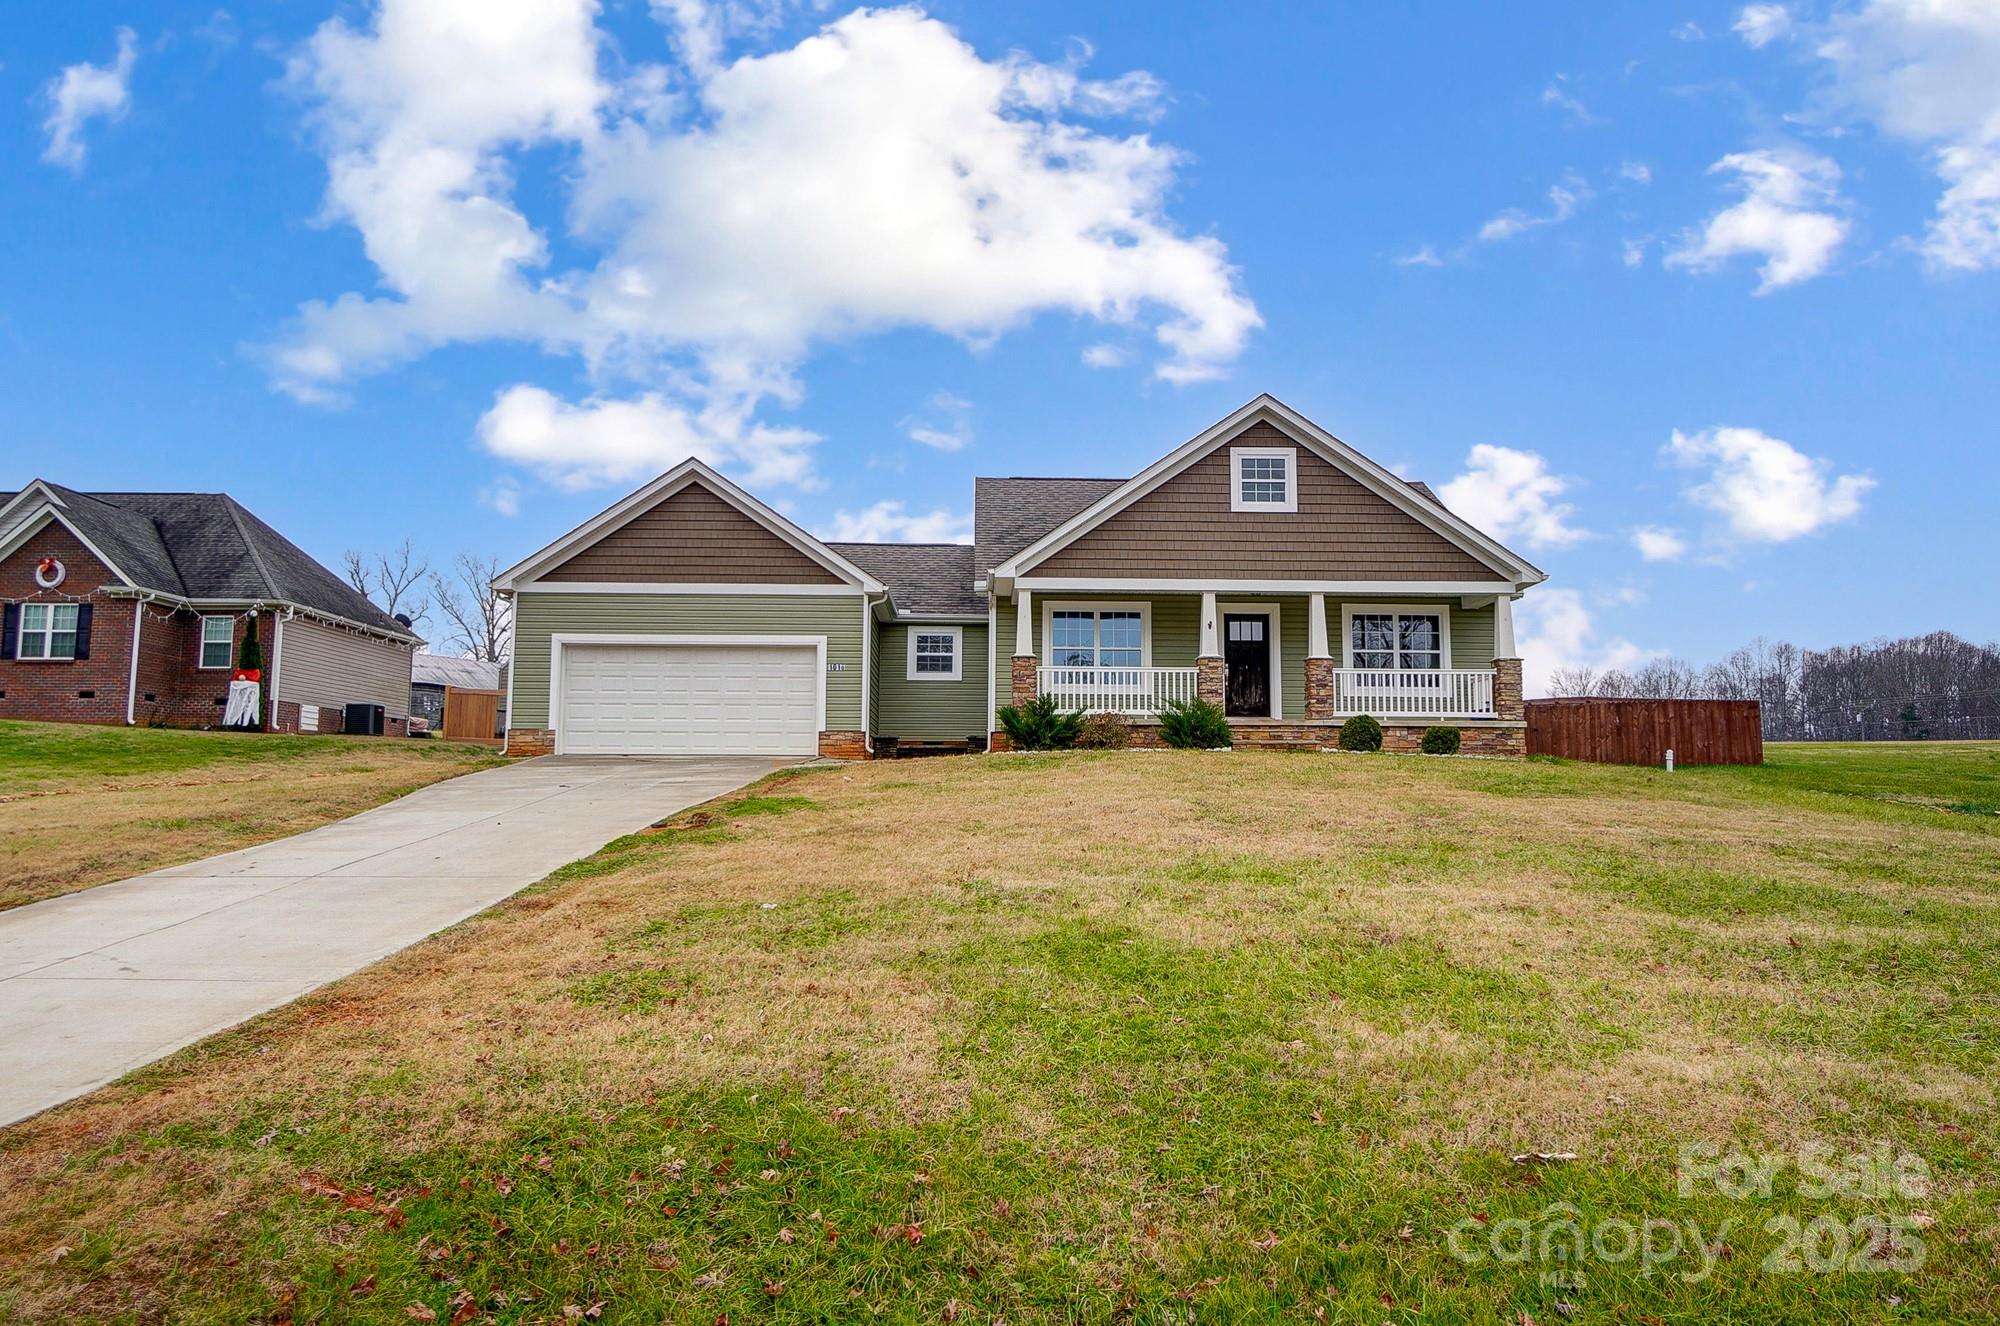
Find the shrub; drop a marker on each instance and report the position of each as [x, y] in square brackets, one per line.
[1039, 725]
[1195, 725]
[1104, 732]
[1440, 741]
[1361, 733]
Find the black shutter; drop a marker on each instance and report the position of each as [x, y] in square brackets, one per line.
[83, 630]
[10, 629]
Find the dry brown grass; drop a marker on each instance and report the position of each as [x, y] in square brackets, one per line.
[853, 941]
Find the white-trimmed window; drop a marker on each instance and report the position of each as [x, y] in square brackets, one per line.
[218, 636]
[1398, 637]
[48, 631]
[937, 653]
[1263, 479]
[1096, 635]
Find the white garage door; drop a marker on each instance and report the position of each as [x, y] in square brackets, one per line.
[689, 700]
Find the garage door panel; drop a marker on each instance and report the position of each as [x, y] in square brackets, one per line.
[689, 699]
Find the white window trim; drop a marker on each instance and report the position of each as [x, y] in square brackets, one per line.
[1349, 611]
[1237, 455]
[202, 642]
[1051, 607]
[957, 673]
[1275, 637]
[47, 635]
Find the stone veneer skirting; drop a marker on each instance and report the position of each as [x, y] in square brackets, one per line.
[526, 741]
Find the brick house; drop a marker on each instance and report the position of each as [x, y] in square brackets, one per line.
[1264, 565]
[127, 608]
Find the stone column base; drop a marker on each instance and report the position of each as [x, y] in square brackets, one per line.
[1507, 701]
[1024, 677]
[1208, 680]
[1319, 688]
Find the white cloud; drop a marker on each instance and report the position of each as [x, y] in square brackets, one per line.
[1511, 493]
[1689, 31]
[1635, 172]
[732, 213]
[945, 422]
[1564, 200]
[1761, 24]
[85, 92]
[602, 441]
[1554, 630]
[503, 496]
[1765, 488]
[888, 522]
[1558, 97]
[1657, 543]
[1928, 72]
[1106, 355]
[1785, 215]
[1633, 251]
[1422, 256]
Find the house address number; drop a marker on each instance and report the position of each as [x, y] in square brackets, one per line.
[836, 667]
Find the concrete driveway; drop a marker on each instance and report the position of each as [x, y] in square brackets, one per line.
[95, 984]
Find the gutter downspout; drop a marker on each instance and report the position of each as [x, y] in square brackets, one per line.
[132, 675]
[867, 667]
[278, 620]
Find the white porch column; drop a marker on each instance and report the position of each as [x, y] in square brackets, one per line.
[1503, 627]
[1024, 623]
[1316, 646]
[1211, 638]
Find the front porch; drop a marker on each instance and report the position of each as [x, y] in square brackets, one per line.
[1286, 668]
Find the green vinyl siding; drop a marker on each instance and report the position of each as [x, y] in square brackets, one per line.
[1177, 632]
[929, 710]
[538, 616]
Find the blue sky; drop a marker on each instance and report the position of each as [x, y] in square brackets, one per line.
[1717, 280]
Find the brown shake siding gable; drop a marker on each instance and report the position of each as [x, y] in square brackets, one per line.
[1341, 531]
[692, 537]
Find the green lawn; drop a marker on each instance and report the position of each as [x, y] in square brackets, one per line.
[82, 805]
[1135, 1037]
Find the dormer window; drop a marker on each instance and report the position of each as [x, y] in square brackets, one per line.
[1263, 479]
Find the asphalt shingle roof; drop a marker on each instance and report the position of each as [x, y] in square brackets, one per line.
[209, 546]
[1010, 514]
[922, 577]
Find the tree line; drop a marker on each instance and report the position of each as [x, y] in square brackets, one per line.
[1925, 687]
[471, 620]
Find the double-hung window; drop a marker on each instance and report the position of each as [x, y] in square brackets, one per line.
[48, 630]
[935, 653]
[218, 634]
[1412, 642]
[1263, 479]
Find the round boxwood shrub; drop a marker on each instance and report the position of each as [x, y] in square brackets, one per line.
[1440, 741]
[1361, 733]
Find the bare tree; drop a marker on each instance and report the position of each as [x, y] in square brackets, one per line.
[393, 580]
[481, 623]
[1578, 680]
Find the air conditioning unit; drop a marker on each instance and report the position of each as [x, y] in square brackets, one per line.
[363, 720]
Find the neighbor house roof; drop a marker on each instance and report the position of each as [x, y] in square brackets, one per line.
[922, 578]
[208, 546]
[468, 674]
[1010, 514]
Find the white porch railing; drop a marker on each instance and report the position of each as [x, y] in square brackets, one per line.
[1433, 693]
[1116, 690]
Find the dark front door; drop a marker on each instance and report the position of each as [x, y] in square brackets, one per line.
[1246, 659]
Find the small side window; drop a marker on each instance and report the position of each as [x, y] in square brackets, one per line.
[218, 635]
[934, 653]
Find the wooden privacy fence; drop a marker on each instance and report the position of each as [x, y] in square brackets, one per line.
[1643, 731]
[471, 716]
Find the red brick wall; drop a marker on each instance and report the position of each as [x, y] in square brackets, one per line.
[51, 690]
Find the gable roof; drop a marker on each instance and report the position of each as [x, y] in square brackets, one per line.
[1414, 500]
[636, 503]
[923, 578]
[468, 674]
[197, 546]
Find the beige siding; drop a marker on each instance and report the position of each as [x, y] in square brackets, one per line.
[929, 710]
[1342, 531]
[326, 665]
[537, 617]
[693, 537]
